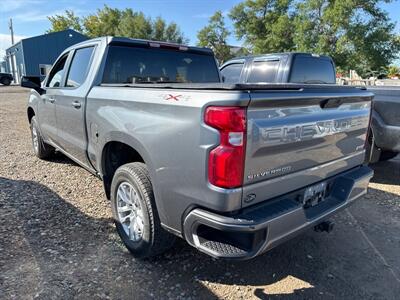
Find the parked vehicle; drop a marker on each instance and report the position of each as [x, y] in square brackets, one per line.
[234, 169]
[280, 68]
[384, 138]
[384, 135]
[6, 78]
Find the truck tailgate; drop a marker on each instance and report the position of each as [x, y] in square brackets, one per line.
[297, 138]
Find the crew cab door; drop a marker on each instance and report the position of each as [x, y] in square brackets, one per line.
[70, 108]
[47, 105]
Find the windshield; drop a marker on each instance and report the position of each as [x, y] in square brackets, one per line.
[153, 65]
[310, 69]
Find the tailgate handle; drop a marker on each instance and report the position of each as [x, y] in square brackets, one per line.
[331, 103]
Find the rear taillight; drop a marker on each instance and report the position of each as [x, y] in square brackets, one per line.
[226, 161]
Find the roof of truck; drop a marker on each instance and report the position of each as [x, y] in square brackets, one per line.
[242, 59]
[281, 54]
[141, 42]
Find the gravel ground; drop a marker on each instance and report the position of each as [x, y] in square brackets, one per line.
[57, 240]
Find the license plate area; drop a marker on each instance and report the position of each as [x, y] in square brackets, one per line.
[315, 194]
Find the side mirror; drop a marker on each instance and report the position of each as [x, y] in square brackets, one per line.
[32, 82]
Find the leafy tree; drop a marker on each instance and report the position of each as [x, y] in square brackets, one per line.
[357, 34]
[393, 71]
[116, 22]
[63, 22]
[264, 25]
[167, 32]
[214, 36]
[104, 22]
[134, 24]
[174, 34]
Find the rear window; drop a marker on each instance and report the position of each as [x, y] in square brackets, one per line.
[308, 69]
[149, 65]
[263, 71]
[231, 73]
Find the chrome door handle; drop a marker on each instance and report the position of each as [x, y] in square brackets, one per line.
[52, 99]
[76, 104]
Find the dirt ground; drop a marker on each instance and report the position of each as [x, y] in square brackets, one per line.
[57, 240]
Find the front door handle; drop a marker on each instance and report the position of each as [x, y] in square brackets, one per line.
[52, 99]
[76, 104]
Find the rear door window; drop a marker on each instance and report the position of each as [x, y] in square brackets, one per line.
[231, 73]
[155, 65]
[79, 67]
[263, 71]
[310, 69]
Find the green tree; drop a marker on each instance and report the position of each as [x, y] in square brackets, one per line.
[116, 22]
[104, 22]
[134, 24]
[214, 36]
[264, 25]
[393, 71]
[63, 22]
[167, 32]
[358, 34]
[174, 34]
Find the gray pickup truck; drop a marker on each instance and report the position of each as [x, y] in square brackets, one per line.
[306, 68]
[384, 137]
[234, 169]
[289, 67]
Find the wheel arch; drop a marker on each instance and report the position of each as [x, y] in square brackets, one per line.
[119, 151]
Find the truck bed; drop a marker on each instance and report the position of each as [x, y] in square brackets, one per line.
[238, 86]
[273, 167]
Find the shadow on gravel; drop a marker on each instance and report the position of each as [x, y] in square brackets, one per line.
[52, 250]
[387, 172]
[60, 158]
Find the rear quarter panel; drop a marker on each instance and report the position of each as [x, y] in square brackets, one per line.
[166, 127]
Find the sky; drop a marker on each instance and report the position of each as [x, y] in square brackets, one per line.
[30, 16]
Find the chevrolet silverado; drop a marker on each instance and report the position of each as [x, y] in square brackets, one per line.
[234, 169]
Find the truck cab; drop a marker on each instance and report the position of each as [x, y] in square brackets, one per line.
[303, 68]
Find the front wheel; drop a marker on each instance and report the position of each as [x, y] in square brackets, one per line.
[135, 213]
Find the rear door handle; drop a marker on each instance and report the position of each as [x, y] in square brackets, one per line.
[52, 99]
[76, 104]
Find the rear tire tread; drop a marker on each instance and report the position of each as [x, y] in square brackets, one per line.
[161, 239]
[44, 150]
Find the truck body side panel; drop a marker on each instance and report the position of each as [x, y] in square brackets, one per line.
[171, 137]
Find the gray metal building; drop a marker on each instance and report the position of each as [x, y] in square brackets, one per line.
[34, 56]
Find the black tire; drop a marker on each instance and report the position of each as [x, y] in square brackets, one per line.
[41, 149]
[6, 81]
[386, 155]
[154, 240]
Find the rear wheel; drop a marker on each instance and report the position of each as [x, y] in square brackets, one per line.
[135, 213]
[40, 148]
